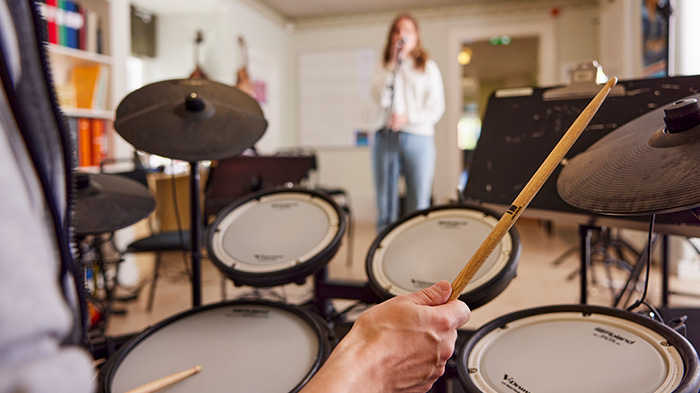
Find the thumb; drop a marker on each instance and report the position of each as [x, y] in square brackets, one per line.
[435, 295]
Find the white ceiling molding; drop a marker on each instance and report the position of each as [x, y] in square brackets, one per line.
[470, 10]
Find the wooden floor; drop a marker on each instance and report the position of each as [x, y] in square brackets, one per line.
[543, 278]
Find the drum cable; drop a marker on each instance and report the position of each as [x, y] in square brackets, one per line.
[642, 300]
[340, 316]
[265, 294]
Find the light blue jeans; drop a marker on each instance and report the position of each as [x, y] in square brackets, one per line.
[402, 153]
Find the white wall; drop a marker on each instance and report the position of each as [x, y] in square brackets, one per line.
[220, 56]
[349, 168]
[567, 38]
[580, 31]
[687, 55]
[620, 38]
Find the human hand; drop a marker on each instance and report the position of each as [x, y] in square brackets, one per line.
[397, 121]
[400, 345]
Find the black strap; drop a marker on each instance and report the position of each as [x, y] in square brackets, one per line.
[33, 138]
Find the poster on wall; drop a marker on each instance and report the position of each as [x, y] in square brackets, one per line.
[656, 15]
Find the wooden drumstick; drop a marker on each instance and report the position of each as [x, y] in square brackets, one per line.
[528, 193]
[160, 383]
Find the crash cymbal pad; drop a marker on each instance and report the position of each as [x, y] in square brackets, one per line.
[190, 119]
[650, 165]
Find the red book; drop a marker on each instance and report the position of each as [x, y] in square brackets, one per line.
[98, 147]
[84, 143]
[51, 21]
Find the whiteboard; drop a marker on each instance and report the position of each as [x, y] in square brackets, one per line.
[334, 96]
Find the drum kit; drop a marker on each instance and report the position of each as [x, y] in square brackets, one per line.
[283, 235]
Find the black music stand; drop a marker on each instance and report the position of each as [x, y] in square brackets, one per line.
[522, 126]
[233, 178]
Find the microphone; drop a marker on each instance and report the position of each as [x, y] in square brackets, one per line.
[399, 48]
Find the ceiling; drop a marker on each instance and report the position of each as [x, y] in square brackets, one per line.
[304, 9]
[178, 7]
[296, 10]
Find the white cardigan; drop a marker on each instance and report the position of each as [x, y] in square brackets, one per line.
[419, 95]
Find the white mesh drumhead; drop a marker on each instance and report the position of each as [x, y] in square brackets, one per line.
[570, 352]
[241, 348]
[276, 232]
[433, 247]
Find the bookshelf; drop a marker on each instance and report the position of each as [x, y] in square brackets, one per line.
[82, 64]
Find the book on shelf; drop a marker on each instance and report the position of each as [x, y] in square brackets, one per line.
[71, 24]
[98, 145]
[90, 140]
[84, 143]
[90, 84]
[92, 28]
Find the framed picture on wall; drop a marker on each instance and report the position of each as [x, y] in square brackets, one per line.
[656, 15]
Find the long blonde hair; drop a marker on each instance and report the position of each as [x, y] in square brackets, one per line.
[419, 55]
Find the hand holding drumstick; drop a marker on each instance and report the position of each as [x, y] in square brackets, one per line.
[528, 193]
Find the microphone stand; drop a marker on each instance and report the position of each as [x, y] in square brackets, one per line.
[390, 108]
[392, 137]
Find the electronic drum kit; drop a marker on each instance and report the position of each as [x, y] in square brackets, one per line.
[281, 236]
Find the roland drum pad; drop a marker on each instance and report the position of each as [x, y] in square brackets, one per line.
[275, 237]
[242, 346]
[577, 348]
[433, 245]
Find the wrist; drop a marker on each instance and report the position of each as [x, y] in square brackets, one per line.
[350, 368]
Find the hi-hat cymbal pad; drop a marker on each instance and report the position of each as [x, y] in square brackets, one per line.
[105, 203]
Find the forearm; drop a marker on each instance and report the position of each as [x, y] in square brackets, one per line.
[349, 369]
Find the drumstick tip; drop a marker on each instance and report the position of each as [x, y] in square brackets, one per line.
[611, 82]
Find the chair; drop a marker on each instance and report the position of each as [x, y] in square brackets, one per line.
[228, 180]
[236, 177]
[156, 242]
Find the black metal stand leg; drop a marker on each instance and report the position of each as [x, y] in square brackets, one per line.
[664, 271]
[634, 275]
[585, 235]
[152, 290]
[322, 303]
[224, 295]
[195, 232]
[350, 229]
